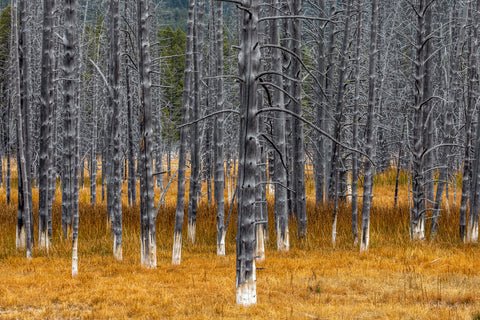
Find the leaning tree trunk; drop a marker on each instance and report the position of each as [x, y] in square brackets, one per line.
[147, 214]
[249, 66]
[182, 154]
[70, 139]
[23, 203]
[370, 132]
[46, 100]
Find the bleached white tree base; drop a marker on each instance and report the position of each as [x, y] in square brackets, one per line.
[260, 245]
[149, 260]
[43, 240]
[419, 230]
[117, 249]
[247, 291]
[191, 231]
[75, 258]
[221, 245]
[334, 230]
[365, 236]
[283, 243]
[472, 233]
[21, 238]
[177, 248]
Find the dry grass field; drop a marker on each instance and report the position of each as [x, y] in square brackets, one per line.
[396, 279]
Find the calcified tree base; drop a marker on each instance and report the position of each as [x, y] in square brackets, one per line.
[418, 230]
[43, 240]
[21, 236]
[247, 291]
[283, 243]
[191, 231]
[334, 230]
[177, 249]
[117, 249]
[221, 245]
[75, 258]
[260, 245]
[365, 236]
[149, 257]
[472, 233]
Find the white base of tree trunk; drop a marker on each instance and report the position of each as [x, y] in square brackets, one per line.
[43, 240]
[149, 261]
[419, 230]
[247, 291]
[75, 258]
[191, 231]
[283, 243]
[177, 248]
[365, 238]
[117, 249]
[260, 245]
[472, 233]
[334, 230]
[349, 187]
[21, 238]
[221, 245]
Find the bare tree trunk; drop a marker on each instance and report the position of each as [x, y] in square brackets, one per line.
[339, 119]
[280, 170]
[23, 203]
[370, 131]
[195, 183]
[70, 140]
[147, 213]
[115, 138]
[249, 66]
[182, 154]
[297, 125]
[219, 172]
[46, 100]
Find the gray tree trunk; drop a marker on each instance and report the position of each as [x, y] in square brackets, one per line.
[70, 139]
[249, 66]
[297, 125]
[182, 154]
[115, 122]
[147, 213]
[280, 169]
[219, 172]
[23, 220]
[46, 100]
[370, 131]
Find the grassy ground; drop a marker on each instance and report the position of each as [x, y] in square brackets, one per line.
[396, 279]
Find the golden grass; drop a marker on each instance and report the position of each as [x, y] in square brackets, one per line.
[396, 279]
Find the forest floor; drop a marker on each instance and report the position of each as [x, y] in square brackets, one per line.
[395, 279]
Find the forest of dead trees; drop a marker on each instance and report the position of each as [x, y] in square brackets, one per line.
[250, 96]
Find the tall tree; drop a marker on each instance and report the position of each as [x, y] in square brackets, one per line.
[70, 176]
[182, 154]
[248, 67]
[147, 213]
[46, 100]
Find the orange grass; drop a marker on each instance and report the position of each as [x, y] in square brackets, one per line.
[396, 279]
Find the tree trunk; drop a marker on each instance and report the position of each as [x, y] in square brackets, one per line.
[370, 131]
[147, 214]
[249, 66]
[46, 101]
[219, 172]
[182, 153]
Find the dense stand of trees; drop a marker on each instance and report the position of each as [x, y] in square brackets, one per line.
[249, 97]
